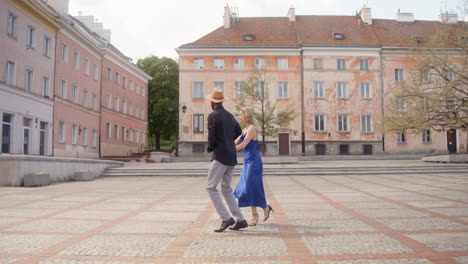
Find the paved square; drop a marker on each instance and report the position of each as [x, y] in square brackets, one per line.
[444, 241]
[28, 244]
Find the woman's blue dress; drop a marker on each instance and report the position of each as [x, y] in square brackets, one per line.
[249, 191]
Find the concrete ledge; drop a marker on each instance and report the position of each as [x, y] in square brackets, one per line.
[14, 167]
[33, 180]
[84, 176]
[447, 158]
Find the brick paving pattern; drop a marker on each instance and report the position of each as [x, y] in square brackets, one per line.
[367, 219]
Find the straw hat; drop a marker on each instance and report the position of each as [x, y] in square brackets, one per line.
[216, 96]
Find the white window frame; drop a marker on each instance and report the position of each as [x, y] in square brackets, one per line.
[239, 87]
[116, 132]
[364, 64]
[31, 37]
[12, 20]
[343, 123]
[85, 137]
[117, 77]
[85, 98]
[319, 91]
[109, 101]
[317, 63]
[10, 73]
[108, 130]
[86, 66]
[198, 90]
[63, 89]
[62, 132]
[124, 134]
[341, 64]
[399, 75]
[76, 60]
[218, 64]
[124, 106]
[95, 72]
[401, 138]
[341, 90]
[366, 123]
[282, 63]
[45, 86]
[124, 82]
[283, 90]
[64, 52]
[319, 122]
[198, 64]
[94, 139]
[365, 89]
[46, 50]
[116, 103]
[198, 121]
[75, 94]
[109, 74]
[74, 134]
[131, 85]
[427, 136]
[259, 63]
[238, 63]
[95, 104]
[29, 84]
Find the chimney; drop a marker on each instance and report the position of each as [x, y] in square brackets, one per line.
[95, 26]
[227, 17]
[60, 6]
[448, 18]
[366, 15]
[404, 17]
[292, 15]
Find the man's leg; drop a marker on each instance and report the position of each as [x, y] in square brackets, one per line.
[229, 195]
[217, 170]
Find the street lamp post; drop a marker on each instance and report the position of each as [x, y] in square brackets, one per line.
[184, 109]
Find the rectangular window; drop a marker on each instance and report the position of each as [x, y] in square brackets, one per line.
[366, 125]
[116, 104]
[74, 134]
[143, 90]
[137, 89]
[95, 102]
[318, 64]
[85, 137]
[283, 90]
[341, 64]
[239, 89]
[124, 82]
[131, 85]
[319, 124]
[109, 101]
[62, 132]
[450, 75]
[143, 114]
[31, 37]
[258, 91]
[6, 132]
[259, 63]
[365, 91]
[219, 64]
[26, 135]
[85, 98]
[342, 90]
[86, 66]
[130, 137]
[199, 64]
[424, 76]
[124, 106]
[94, 139]
[116, 132]
[401, 137]
[63, 89]
[124, 136]
[12, 26]
[364, 65]
[42, 138]
[76, 60]
[108, 130]
[109, 74]
[29, 80]
[117, 78]
[399, 75]
[198, 123]
[45, 86]
[10, 73]
[137, 112]
[96, 72]
[342, 122]
[283, 63]
[75, 94]
[46, 50]
[238, 63]
[400, 104]
[318, 90]
[426, 136]
[198, 90]
[64, 53]
[137, 135]
[219, 85]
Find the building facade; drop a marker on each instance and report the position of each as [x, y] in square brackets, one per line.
[339, 77]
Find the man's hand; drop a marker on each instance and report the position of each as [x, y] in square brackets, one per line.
[209, 149]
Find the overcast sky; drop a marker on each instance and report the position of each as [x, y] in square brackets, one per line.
[142, 28]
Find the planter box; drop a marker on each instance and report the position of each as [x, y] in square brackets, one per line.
[84, 176]
[33, 180]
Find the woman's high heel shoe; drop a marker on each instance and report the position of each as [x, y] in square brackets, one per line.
[267, 211]
[254, 220]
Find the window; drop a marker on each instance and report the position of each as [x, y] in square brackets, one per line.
[10, 73]
[26, 135]
[137, 135]
[31, 37]
[259, 63]
[198, 123]
[283, 90]
[86, 66]
[116, 104]
[62, 132]
[94, 139]
[143, 90]
[137, 112]
[143, 114]
[365, 90]
[198, 64]
[198, 90]
[74, 134]
[63, 89]
[319, 122]
[108, 130]
[450, 104]
[130, 109]
[219, 85]
[130, 137]
[95, 102]
[426, 136]
[131, 85]
[259, 91]
[76, 60]
[29, 80]
[342, 90]
[109, 101]
[424, 76]
[124, 82]
[283, 63]
[342, 122]
[366, 125]
[450, 76]
[239, 89]
[124, 136]
[85, 98]
[399, 75]
[238, 63]
[117, 78]
[64, 53]
[96, 72]
[218, 64]
[318, 64]
[75, 94]
[46, 50]
[401, 137]
[318, 90]
[6, 132]
[109, 74]
[400, 104]
[12, 26]
[85, 137]
[42, 138]
[341, 64]
[364, 65]
[137, 89]
[124, 106]
[45, 86]
[116, 132]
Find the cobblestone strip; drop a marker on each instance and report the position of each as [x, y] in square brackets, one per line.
[437, 180]
[421, 249]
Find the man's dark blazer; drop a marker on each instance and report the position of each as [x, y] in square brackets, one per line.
[223, 129]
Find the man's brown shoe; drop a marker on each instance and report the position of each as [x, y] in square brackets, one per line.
[239, 225]
[225, 224]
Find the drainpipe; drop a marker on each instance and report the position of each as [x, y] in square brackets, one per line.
[100, 104]
[382, 99]
[302, 103]
[53, 96]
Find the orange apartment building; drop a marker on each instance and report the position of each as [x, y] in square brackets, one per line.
[339, 75]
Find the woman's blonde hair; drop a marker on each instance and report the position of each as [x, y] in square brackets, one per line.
[249, 117]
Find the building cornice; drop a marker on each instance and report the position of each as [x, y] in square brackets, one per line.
[127, 65]
[36, 12]
[233, 51]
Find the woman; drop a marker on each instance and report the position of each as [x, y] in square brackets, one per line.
[249, 191]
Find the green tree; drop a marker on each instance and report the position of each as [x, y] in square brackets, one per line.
[163, 92]
[254, 94]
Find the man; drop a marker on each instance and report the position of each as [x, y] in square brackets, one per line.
[223, 129]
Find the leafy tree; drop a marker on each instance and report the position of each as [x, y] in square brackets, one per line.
[163, 92]
[254, 95]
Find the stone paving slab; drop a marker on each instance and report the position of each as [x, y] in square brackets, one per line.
[153, 227]
[56, 225]
[422, 224]
[444, 241]
[28, 243]
[377, 261]
[331, 226]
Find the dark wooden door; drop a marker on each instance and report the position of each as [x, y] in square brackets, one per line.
[284, 144]
[452, 141]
